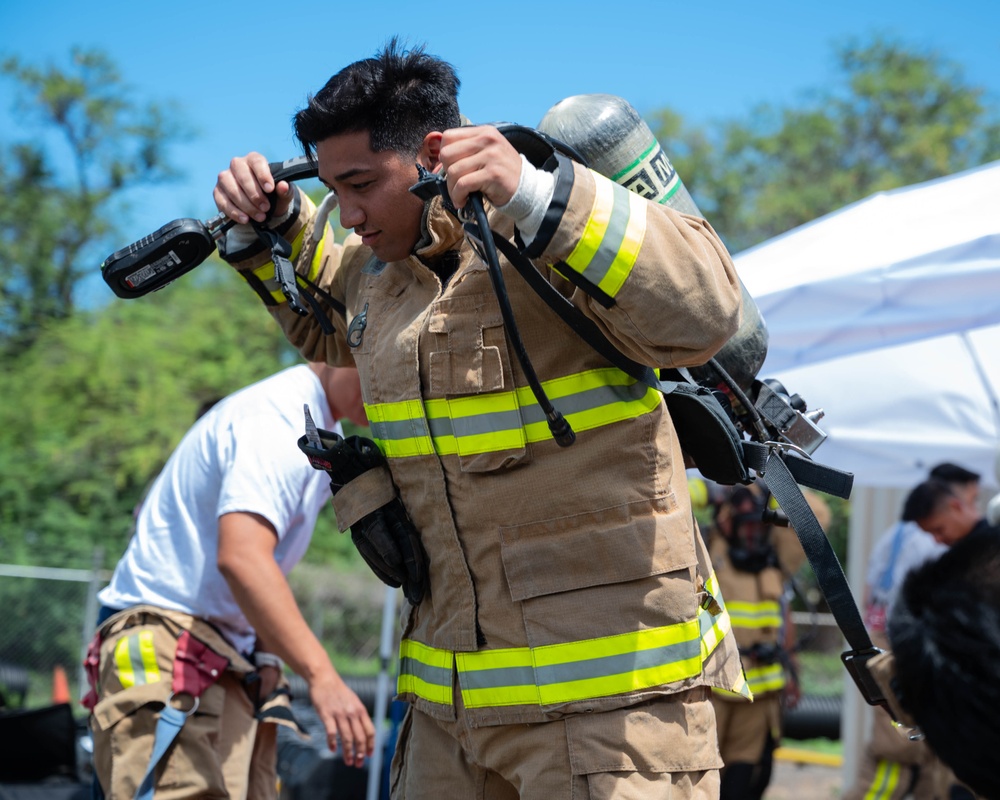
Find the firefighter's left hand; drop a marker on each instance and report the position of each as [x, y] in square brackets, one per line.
[479, 159]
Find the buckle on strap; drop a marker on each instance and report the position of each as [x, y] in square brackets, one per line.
[856, 662]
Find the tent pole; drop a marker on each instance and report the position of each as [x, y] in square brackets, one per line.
[873, 510]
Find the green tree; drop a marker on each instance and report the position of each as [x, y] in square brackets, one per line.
[899, 116]
[62, 185]
[94, 408]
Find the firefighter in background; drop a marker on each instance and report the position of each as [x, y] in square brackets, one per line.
[754, 562]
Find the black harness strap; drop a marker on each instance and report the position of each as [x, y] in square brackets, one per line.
[829, 575]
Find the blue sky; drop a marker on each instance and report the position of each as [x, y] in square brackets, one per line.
[239, 74]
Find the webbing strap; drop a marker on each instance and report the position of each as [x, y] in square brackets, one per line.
[167, 727]
[805, 472]
[819, 551]
[830, 577]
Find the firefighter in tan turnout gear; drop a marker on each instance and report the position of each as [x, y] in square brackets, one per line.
[753, 562]
[571, 628]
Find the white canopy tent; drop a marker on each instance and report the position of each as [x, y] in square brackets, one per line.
[899, 266]
[893, 413]
[886, 314]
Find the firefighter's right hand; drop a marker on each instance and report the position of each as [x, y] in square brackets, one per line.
[343, 716]
[241, 191]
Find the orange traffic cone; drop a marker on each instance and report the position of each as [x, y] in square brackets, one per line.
[60, 686]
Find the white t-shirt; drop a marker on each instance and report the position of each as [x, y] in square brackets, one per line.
[242, 455]
[903, 547]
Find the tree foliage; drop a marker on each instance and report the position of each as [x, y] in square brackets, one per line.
[95, 407]
[898, 117]
[85, 142]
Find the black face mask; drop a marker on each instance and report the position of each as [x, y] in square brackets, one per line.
[750, 548]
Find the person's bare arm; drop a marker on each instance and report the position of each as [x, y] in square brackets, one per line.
[246, 560]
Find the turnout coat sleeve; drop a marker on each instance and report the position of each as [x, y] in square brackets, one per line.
[660, 284]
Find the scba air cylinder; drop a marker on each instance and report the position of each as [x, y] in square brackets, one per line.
[616, 142]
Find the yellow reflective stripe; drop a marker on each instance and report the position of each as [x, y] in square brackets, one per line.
[499, 421]
[742, 688]
[504, 432]
[597, 224]
[425, 671]
[765, 614]
[297, 244]
[713, 617]
[400, 417]
[125, 674]
[580, 670]
[135, 658]
[148, 655]
[571, 671]
[885, 782]
[317, 258]
[715, 624]
[768, 678]
[266, 271]
[611, 238]
[628, 250]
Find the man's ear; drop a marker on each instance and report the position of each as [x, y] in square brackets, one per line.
[430, 150]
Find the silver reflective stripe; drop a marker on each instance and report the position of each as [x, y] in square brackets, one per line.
[438, 676]
[614, 235]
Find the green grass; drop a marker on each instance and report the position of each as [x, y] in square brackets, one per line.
[821, 674]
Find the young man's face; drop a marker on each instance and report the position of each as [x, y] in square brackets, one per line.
[373, 193]
[951, 521]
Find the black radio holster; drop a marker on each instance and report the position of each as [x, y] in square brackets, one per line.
[365, 501]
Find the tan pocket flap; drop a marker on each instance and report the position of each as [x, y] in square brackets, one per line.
[114, 708]
[367, 493]
[615, 545]
[667, 735]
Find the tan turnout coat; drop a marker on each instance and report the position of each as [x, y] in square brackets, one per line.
[539, 555]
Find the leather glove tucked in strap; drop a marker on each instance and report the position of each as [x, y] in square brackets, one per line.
[365, 500]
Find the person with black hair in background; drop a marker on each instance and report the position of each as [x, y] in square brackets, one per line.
[199, 617]
[942, 673]
[892, 765]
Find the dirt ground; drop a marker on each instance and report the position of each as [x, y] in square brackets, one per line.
[794, 781]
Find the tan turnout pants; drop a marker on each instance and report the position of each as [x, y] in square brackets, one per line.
[221, 751]
[664, 750]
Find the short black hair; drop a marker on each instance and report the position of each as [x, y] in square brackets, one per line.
[925, 498]
[945, 637]
[399, 96]
[953, 473]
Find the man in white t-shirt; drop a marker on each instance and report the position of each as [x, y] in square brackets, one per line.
[199, 615]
